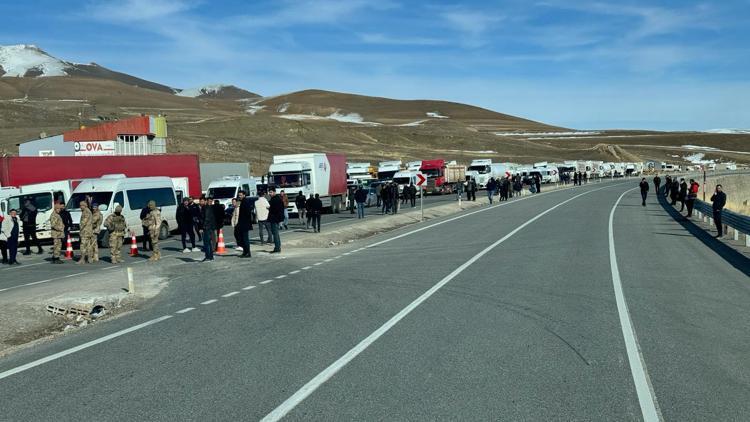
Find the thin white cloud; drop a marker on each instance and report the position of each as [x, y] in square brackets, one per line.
[471, 24]
[138, 10]
[384, 39]
[290, 13]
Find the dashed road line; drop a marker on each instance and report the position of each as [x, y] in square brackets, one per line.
[294, 272]
[307, 267]
[248, 287]
[265, 281]
[279, 277]
[318, 263]
[230, 294]
[328, 260]
[76, 274]
[208, 302]
[184, 311]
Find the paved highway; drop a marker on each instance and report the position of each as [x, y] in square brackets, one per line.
[571, 305]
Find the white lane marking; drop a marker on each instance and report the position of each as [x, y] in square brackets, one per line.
[230, 294]
[266, 281]
[328, 260]
[248, 287]
[279, 277]
[331, 370]
[83, 346]
[24, 266]
[643, 387]
[318, 263]
[73, 275]
[306, 268]
[346, 253]
[114, 266]
[208, 302]
[186, 310]
[294, 272]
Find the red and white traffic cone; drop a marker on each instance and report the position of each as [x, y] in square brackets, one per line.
[69, 249]
[220, 246]
[133, 245]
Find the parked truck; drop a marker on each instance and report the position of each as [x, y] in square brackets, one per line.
[42, 197]
[482, 170]
[387, 169]
[317, 173]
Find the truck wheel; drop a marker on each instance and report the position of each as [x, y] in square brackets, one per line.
[336, 204]
[163, 231]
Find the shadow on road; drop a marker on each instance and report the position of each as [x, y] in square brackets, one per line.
[733, 257]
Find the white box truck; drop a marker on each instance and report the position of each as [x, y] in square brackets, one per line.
[317, 173]
[42, 196]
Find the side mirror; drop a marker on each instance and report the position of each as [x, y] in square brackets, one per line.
[103, 207]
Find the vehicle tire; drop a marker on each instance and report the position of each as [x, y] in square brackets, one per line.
[104, 240]
[336, 205]
[163, 231]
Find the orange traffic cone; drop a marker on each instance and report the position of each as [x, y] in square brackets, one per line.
[221, 247]
[133, 245]
[69, 249]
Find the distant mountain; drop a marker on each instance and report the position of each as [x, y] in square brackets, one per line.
[221, 92]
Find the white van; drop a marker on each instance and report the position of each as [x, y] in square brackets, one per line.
[42, 196]
[133, 194]
[228, 187]
[405, 178]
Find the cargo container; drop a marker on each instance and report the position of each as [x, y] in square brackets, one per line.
[20, 171]
[322, 174]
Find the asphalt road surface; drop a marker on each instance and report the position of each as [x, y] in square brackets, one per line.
[577, 304]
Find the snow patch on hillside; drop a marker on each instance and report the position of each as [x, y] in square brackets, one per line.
[540, 134]
[730, 131]
[17, 60]
[197, 92]
[700, 148]
[436, 115]
[355, 118]
[417, 123]
[283, 108]
[252, 109]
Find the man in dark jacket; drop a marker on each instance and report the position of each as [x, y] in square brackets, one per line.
[491, 187]
[185, 224]
[245, 222]
[28, 221]
[719, 200]
[657, 183]
[220, 213]
[67, 221]
[147, 246]
[316, 209]
[674, 191]
[644, 191]
[275, 217]
[538, 182]
[208, 215]
[667, 185]
[413, 194]
[196, 210]
[683, 194]
[360, 196]
[471, 190]
[394, 197]
[301, 203]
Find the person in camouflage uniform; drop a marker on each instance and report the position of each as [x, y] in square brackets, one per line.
[96, 226]
[58, 232]
[86, 233]
[116, 225]
[153, 222]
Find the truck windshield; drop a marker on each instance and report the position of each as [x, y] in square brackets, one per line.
[479, 169]
[42, 201]
[385, 175]
[402, 180]
[289, 180]
[92, 198]
[432, 172]
[223, 192]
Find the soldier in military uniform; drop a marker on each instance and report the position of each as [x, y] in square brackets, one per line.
[86, 233]
[58, 232]
[96, 226]
[153, 222]
[116, 225]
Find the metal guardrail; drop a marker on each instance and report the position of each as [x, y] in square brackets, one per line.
[739, 222]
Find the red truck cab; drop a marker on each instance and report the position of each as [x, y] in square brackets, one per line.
[435, 172]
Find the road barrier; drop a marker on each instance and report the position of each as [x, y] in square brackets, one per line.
[133, 245]
[739, 223]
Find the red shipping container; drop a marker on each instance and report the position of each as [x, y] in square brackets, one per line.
[109, 131]
[20, 171]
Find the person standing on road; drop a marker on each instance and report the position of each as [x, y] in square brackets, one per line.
[657, 183]
[683, 194]
[234, 220]
[644, 191]
[209, 229]
[301, 202]
[276, 217]
[413, 194]
[285, 201]
[575, 179]
[196, 211]
[9, 232]
[57, 228]
[308, 211]
[244, 223]
[459, 191]
[116, 226]
[96, 227]
[386, 198]
[471, 190]
[491, 186]
[184, 217]
[219, 213]
[86, 233]
[674, 191]
[538, 182]
[28, 222]
[378, 192]
[153, 221]
[667, 185]
[394, 197]
[147, 246]
[261, 210]
[692, 196]
[316, 209]
[586, 177]
[361, 197]
[719, 201]
[3, 240]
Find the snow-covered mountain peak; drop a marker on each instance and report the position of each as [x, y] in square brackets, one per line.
[28, 60]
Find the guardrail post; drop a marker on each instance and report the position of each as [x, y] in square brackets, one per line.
[736, 234]
[747, 240]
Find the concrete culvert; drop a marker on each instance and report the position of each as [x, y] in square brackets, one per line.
[97, 311]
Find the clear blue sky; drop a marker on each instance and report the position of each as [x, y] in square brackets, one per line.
[582, 64]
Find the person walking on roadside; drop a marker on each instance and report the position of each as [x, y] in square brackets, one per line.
[275, 217]
[285, 201]
[575, 179]
[471, 190]
[184, 217]
[674, 191]
[667, 185]
[3, 240]
[301, 202]
[657, 183]
[147, 246]
[196, 211]
[57, 228]
[692, 195]
[28, 222]
[538, 182]
[413, 194]
[219, 213]
[244, 223]
[86, 233]
[316, 209]
[683, 194]
[308, 211]
[360, 196]
[153, 221]
[718, 201]
[261, 210]
[96, 227]
[209, 229]
[459, 191]
[585, 177]
[644, 191]
[9, 232]
[116, 226]
[394, 197]
[378, 192]
[491, 186]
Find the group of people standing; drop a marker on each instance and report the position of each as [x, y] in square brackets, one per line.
[388, 195]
